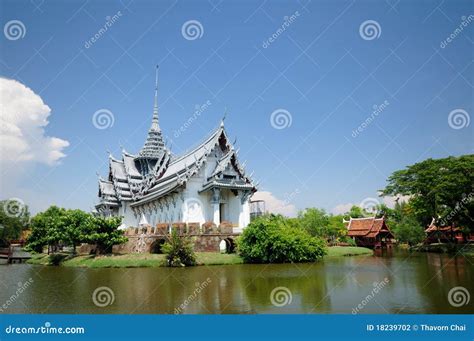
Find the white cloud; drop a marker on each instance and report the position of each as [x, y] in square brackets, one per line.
[23, 118]
[388, 200]
[275, 205]
[342, 208]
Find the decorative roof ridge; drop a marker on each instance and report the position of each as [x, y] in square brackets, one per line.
[193, 149]
[112, 158]
[364, 218]
[183, 175]
[124, 152]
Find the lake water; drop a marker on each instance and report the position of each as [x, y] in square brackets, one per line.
[395, 283]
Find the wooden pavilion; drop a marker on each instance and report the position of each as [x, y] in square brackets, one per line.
[370, 232]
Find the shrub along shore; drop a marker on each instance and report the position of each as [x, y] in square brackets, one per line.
[137, 260]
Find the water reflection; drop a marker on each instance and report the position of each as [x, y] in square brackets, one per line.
[416, 283]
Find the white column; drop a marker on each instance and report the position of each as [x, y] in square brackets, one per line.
[216, 200]
[241, 215]
[217, 214]
[246, 213]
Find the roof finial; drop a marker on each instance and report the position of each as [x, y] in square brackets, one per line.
[223, 118]
[155, 125]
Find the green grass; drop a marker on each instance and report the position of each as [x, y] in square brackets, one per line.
[38, 258]
[212, 258]
[338, 251]
[136, 260]
[144, 260]
[133, 260]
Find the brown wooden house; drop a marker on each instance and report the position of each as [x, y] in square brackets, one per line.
[370, 232]
[447, 234]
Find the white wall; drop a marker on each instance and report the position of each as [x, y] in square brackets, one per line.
[192, 206]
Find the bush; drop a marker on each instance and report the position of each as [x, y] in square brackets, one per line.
[179, 250]
[409, 231]
[104, 233]
[57, 258]
[271, 240]
[348, 240]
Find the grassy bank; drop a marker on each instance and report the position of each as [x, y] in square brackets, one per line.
[38, 259]
[136, 260]
[341, 251]
[464, 249]
[143, 260]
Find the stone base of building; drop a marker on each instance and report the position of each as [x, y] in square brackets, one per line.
[148, 239]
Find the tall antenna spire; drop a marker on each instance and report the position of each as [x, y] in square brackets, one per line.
[154, 125]
[154, 148]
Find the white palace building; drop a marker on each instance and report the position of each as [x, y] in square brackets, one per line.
[154, 186]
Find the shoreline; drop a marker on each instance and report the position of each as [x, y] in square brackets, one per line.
[145, 260]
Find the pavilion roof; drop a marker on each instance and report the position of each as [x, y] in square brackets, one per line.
[366, 227]
[433, 228]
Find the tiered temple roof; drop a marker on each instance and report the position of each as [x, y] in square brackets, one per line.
[155, 172]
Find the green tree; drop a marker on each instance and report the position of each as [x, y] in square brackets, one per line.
[58, 226]
[14, 219]
[315, 221]
[179, 250]
[336, 230]
[104, 233]
[355, 212]
[440, 188]
[409, 231]
[75, 225]
[47, 229]
[270, 240]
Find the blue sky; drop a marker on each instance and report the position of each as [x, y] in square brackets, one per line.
[323, 71]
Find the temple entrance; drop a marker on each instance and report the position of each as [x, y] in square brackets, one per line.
[157, 245]
[227, 245]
